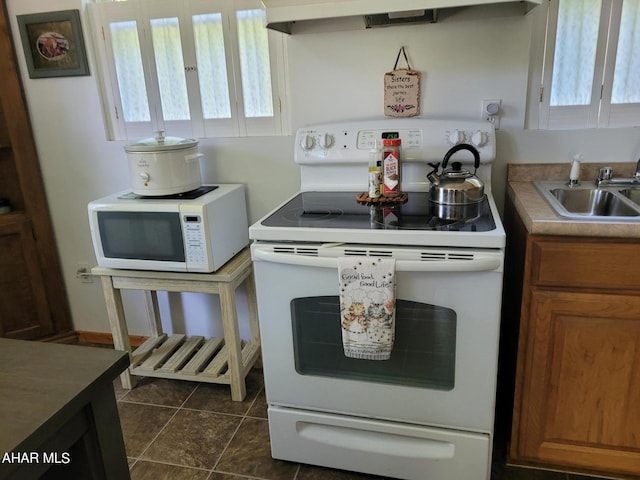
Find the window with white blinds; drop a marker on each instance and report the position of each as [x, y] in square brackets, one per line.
[195, 68]
[585, 65]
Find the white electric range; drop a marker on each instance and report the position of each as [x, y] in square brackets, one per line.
[427, 411]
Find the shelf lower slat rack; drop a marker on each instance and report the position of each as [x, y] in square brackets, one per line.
[225, 360]
[187, 358]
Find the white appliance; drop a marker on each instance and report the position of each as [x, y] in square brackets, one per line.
[281, 15]
[164, 165]
[428, 411]
[195, 231]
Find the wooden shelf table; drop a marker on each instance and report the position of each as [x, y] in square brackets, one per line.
[225, 360]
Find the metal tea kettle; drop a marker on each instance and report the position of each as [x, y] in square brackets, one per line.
[456, 185]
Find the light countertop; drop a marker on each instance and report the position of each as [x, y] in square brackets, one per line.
[538, 216]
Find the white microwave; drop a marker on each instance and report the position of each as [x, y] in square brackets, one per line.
[177, 233]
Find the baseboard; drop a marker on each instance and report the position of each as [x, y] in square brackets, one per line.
[105, 338]
[65, 337]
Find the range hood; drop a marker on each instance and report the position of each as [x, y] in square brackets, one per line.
[284, 15]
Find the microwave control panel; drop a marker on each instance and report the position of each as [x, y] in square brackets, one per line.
[194, 239]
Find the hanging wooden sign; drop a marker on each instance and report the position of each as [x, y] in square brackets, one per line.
[402, 90]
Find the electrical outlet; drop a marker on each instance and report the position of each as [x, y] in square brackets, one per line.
[83, 272]
[491, 111]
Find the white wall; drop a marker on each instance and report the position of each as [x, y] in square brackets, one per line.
[334, 77]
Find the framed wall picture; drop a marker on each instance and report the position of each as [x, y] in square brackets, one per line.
[53, 44]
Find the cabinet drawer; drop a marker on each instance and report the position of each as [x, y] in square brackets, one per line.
[377, 447]
[588, 264]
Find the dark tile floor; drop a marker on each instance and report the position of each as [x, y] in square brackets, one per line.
[178, 430]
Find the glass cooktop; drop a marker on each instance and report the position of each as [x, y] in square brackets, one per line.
[341, 210]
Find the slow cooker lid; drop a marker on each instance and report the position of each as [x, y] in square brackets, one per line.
[161, 143]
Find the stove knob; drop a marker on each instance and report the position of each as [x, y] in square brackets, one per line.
[327, 141]
[479, 139]
[144, 176]
[308, 142]
[455, 137]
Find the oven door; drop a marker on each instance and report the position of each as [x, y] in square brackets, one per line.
[442, 370]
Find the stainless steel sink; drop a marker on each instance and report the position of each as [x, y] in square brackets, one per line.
[593, 202]
[632, 194]
[588, 202]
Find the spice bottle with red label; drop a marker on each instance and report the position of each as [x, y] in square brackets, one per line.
[375, 170]
[391, 167]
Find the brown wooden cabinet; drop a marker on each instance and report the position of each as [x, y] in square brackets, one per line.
[577, 387]
[33, 301]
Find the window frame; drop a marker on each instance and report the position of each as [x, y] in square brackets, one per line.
[102, 13]
[600, 113]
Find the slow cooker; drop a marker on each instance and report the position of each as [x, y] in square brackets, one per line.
[164, 165]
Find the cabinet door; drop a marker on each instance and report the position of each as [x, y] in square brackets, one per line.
[25, 264]
[581, 387]
[23, 303]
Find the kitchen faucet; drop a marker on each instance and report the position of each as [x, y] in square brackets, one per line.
[606, 178]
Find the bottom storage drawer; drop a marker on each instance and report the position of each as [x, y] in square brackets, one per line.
[378, 447]
[585, 263]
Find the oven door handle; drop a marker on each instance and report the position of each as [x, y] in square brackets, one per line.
[479, 263]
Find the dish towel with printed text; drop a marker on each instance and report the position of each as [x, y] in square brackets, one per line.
[367, 306]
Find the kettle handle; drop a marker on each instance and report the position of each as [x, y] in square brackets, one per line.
[462, 146]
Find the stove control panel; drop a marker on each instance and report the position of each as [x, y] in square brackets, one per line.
[478, 138]
[367, 139]
[423, 140]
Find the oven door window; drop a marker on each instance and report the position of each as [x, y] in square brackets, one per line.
[141, 235]
[423, 354]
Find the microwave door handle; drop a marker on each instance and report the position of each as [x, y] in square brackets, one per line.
[480, 263]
